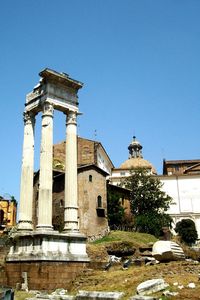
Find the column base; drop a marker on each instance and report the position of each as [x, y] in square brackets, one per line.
[25, 226]
[44, 228]
[71, 227]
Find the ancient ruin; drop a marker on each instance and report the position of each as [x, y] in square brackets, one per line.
[55, 91]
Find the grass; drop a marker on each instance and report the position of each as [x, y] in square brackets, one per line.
[137, 239]
[22, 295]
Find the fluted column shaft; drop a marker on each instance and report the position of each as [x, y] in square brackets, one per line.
[26, 189]
[71, 208]
[45, 181]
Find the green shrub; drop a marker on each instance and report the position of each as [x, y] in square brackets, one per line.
[186, 229]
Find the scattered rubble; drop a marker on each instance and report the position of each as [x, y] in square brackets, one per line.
[81, 295]
[170, 294]
[127, 263]
[139, 297]
[191, 285]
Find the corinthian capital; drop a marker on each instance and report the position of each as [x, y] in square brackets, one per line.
[29, 118]
[71, 117]
[47, 109]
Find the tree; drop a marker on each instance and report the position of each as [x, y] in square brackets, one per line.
[186, 229]
[114, 209]
[148, 202]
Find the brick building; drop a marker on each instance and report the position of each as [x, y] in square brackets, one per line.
[181, 167]
[94, 165]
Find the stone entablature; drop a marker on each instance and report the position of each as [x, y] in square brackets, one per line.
[56, 88]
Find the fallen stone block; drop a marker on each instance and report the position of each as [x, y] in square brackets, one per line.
[85, 295]
[140, 297]
[151, 286]
[167, 251]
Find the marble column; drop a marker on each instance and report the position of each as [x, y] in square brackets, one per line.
[26, 189]
[71, 208]
[46, 160]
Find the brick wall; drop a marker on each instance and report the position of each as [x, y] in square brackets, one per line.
[44, 275]
[85, 153]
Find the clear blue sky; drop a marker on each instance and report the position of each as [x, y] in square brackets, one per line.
[139, 61]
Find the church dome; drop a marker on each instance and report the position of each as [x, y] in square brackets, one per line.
[136, 159]
[136, 162]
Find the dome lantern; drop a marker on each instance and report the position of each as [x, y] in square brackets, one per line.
[135, 149]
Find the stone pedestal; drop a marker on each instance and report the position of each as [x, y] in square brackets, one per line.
[48, 246]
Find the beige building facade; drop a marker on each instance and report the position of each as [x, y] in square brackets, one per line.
[8, 213]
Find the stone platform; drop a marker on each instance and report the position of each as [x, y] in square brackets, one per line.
[47, 246]
[49, 259]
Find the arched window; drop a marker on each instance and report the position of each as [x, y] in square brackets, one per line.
[99, 201]
[90, 178]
